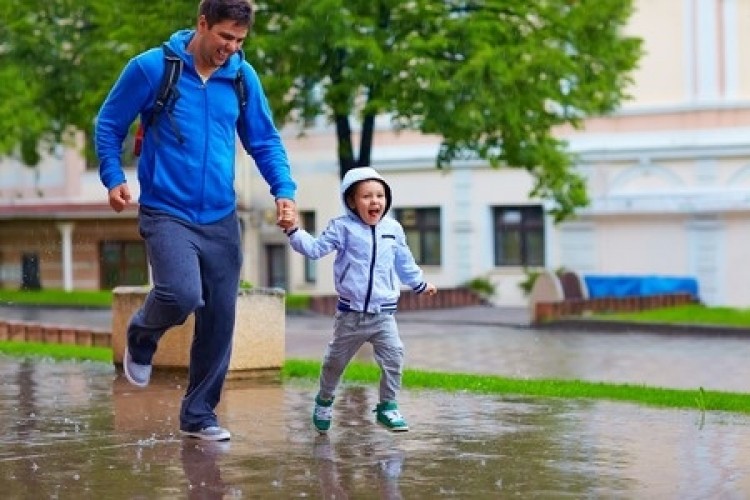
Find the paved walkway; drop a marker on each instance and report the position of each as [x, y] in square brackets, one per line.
[499, 341]
[78, 430]
[493, 340]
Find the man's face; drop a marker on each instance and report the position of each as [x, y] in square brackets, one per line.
[220, 41]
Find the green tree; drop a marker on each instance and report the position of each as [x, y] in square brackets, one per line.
[493, 79]
[59, 58]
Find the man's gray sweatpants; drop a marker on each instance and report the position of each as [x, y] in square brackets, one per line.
[351, 331]
[195, 268]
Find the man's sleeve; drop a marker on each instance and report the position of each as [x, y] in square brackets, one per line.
[114, 119]
[262, 140]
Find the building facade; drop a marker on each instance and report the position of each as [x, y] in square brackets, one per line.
[668, 176]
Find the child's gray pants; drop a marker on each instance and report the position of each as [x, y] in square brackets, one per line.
[351, 330]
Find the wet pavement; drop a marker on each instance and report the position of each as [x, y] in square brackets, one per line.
[78, 430]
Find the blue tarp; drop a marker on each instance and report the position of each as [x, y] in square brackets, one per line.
[638, 286]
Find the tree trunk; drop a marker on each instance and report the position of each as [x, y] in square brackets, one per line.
[346, 151]
[365, 143]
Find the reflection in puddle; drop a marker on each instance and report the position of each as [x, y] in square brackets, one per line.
[75, 430]
[200, 462]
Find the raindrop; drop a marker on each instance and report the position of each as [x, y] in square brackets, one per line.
[76, 477]
[34, 467]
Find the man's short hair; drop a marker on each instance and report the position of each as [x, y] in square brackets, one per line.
[216, 11]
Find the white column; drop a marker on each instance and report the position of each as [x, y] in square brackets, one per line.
[732, 50]
[462, 228]
[706, 49]
[66, 231]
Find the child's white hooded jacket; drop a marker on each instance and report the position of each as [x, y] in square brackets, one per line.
[371, 261]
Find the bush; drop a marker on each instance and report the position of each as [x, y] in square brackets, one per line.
[481, 286]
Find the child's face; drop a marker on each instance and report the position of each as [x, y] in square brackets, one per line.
[368, 201]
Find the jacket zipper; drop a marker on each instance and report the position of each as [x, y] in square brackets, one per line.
[207, 128]
[372, 268]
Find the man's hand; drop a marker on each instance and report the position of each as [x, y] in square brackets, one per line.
[119, 197]
[430, 290]
[286, 213]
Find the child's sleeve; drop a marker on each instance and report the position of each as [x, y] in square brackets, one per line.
[407, 269]
[314, 248]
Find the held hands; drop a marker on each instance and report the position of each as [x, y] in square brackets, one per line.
[119, 197]
[430, 290]
[286, 214]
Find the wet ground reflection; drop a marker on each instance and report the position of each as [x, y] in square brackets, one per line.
[77, 430]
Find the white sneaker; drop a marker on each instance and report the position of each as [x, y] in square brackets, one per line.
[211, 433]
[138, 375]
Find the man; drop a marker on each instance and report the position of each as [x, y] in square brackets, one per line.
[187, 205]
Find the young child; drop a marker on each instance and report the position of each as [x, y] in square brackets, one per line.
[372, 260]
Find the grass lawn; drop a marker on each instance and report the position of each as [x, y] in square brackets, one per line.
[693, 314]
[100, 298]
[56, 351]
[79, 298]
[698, 398]
[365, 373]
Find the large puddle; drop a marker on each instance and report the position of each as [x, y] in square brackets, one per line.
[77, 430]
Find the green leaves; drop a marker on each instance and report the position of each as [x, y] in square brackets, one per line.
[495, 79]
[58, 60]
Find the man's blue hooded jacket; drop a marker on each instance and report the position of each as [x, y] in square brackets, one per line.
[193, 179]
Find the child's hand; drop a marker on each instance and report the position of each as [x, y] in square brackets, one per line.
[430, 290]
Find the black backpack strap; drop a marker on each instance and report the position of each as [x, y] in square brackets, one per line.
[240, 88]
[165, 99]
[168, 93]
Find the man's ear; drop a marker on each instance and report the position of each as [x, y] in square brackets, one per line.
[202, 23]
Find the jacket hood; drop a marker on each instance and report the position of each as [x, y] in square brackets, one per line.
[179, 41]
[359, 174]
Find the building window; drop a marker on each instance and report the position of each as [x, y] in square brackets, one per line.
[30, 272]
[422, 228]
[308, 224]
[276, 266]
[123, 263]
[519, 236]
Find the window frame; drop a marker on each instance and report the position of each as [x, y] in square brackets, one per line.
[531, 224]
[426, 229]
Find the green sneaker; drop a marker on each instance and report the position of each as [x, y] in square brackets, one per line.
[389, 417]
[322, 414]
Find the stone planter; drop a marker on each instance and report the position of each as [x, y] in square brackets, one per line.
[258, 344]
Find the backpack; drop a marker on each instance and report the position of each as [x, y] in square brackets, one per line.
[167, 96]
